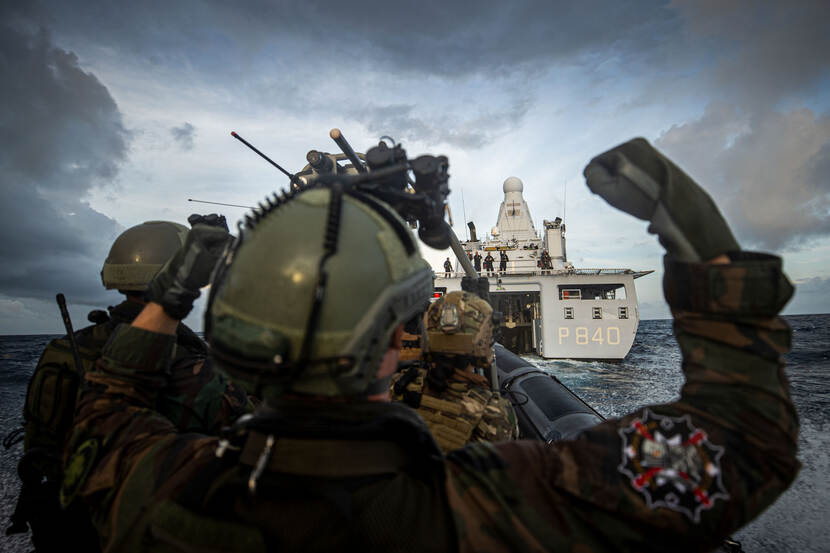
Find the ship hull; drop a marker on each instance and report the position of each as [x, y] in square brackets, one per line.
[552, 316]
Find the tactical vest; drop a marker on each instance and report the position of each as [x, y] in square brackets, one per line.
[53, 392]
[48, 413]
[410, 347]
[53, 389]
[451, 416]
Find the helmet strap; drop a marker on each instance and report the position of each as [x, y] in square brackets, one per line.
[329, 249]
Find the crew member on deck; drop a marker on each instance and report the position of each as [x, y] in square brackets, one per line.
[488, 263]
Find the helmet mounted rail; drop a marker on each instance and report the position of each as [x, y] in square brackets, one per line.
[416, 190]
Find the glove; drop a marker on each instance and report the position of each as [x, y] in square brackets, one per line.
[639, 180]
[177, 284]
[211, 220]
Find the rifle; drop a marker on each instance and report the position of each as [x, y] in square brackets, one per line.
[70, 334]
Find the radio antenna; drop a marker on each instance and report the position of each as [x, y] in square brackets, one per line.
[266, 158]
[220, 203]
[464, 211]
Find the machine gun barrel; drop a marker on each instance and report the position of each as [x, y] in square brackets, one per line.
[470, 271]
[346, 148]
[458, 250]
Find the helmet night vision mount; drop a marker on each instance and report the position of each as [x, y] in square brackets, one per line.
[416, 189]
[272, 352]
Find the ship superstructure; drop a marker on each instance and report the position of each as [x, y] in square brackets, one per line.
[549, 307]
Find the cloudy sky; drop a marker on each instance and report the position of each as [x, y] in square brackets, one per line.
[115, 113]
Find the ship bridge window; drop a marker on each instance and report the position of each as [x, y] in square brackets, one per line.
[592, 292]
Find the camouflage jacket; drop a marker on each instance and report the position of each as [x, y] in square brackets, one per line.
[466, 411]
[674, 477]
[195, 397]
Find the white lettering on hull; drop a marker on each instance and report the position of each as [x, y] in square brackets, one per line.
[583, 337]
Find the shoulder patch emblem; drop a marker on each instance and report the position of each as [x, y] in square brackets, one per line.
[77, 469]
[672, 464]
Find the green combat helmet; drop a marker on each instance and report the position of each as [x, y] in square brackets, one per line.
[138, 254]
[461, 323]
[307, 298]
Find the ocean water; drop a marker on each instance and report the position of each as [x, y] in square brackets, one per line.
[798, 521]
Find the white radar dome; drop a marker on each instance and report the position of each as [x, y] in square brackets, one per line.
[513, 184]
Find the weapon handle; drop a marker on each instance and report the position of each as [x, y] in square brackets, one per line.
[67, 324]
[346, 148]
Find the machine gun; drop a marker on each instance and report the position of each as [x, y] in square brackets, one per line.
[416, 189]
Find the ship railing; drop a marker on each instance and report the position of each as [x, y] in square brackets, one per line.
[600, 271]
[537, 272]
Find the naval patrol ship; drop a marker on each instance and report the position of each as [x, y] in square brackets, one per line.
[549, 307]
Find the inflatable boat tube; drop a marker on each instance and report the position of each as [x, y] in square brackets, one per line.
[547, 410]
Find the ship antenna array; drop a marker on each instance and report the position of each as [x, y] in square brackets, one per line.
[464, 211]
[565, 201]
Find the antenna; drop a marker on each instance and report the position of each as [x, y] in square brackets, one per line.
[291, 176]
[220, 203]
[464, 211]
[565, 201]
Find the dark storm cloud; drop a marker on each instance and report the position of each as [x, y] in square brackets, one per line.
[61, 135]
[184, 135]
[765, 158]
[283, 43]
[765, 50]
[766, 170]
[432, 36]
[818, 171]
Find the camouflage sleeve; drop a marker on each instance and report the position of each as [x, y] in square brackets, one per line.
[498, 422]
[674, 477]
[121, 446]
[199, 399]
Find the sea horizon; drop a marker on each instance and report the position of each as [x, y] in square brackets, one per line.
[795, 522]
[60, 333]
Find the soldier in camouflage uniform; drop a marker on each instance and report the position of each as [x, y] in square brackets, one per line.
[327, 463]
[450, 393]
[195, 398]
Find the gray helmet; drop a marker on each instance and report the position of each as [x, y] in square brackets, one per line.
[308, 298]
[139, 252]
